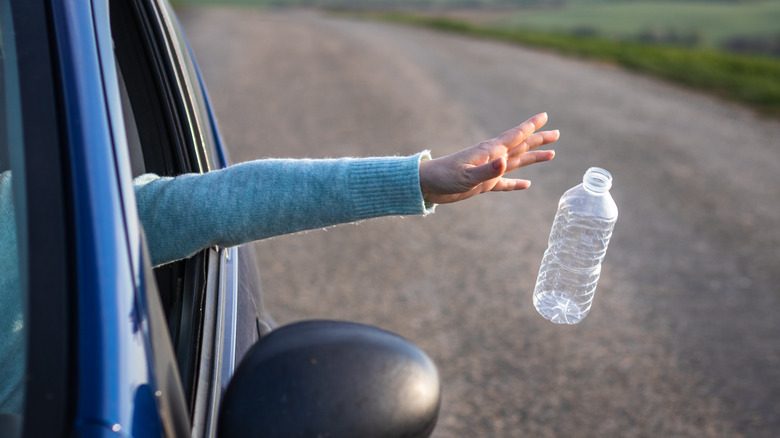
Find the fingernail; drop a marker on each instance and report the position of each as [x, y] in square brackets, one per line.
[497, 164]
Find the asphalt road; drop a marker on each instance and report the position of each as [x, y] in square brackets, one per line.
[684, 336]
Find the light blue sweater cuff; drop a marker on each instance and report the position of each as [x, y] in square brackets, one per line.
[387, 186]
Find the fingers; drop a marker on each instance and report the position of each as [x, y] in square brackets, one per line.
[493, 171]
[529, 158]
[502, 165]
[520, 133]
[508, 185]
[542, 138]
[534, 141]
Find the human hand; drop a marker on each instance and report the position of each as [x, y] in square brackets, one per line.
[480, 168]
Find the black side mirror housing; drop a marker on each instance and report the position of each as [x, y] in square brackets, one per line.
[334, 379]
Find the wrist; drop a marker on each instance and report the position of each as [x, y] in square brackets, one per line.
[425, 171]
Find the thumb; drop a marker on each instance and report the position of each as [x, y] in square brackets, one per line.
[488, 171]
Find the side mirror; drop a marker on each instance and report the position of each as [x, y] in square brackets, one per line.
[330, 378]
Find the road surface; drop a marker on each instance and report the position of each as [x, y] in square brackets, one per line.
[684, 336]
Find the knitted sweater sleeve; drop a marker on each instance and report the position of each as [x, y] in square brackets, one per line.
[12, 335]
[265, 198]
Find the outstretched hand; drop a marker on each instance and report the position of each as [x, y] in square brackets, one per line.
[481, 168]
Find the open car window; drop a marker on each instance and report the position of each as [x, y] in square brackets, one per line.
[164, 139]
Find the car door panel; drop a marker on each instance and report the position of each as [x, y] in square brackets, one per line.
[131, 358]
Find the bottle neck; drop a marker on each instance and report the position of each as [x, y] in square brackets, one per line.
[597, 180]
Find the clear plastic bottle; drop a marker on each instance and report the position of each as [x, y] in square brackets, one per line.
[571, 266]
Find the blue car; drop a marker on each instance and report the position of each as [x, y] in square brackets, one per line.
[92, 94]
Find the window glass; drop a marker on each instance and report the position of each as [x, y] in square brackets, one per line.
[12, 327]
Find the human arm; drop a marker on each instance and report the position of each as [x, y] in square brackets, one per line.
[481, 168]
[265, 198]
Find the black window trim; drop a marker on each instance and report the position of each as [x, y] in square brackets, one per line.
[143, 69]
[161, 39]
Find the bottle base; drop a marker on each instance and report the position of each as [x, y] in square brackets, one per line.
[559, 310]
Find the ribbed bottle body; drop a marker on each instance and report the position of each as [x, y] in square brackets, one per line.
[571, 265]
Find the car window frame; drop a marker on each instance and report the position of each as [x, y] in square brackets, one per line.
[206, 299]
[145, 70]
[217, 352]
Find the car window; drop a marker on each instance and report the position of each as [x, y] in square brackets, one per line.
[192, 80]
[155, 131]
[165, 138]
[34, 256]
[12, 326]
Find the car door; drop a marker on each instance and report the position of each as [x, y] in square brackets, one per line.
[100, 93]
[96, 353]
[35, 248]
[212, 301]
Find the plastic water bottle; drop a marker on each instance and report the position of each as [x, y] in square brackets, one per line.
[571, 266]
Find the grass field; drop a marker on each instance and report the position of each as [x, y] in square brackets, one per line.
[713, 23]
[608, 30]
[708, 23]
[751, 80]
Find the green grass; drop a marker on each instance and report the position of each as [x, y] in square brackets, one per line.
[713, 23]
[613, 26]
[754, 81]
